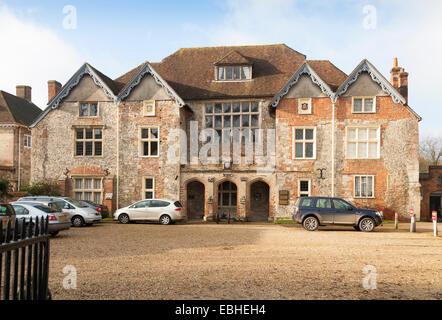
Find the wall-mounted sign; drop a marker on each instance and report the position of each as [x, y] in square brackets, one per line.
[284, 197]
[108, 196]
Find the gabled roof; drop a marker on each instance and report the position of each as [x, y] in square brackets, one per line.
[146, 68]
[14, 109]
[115, 90]
[99, 78]
[366, 66]
[376, 76]
[190, 71]
[328, 71]
[233, 58]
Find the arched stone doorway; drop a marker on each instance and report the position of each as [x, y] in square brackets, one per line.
[195, 200]
[259, 201]
[227, 200]
[436, 204]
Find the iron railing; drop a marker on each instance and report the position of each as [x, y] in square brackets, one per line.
[24, 260]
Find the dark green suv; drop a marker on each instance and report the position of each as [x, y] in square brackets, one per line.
[313, 212]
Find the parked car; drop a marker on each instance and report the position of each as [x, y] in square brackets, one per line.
[100, 208]
[158, 210]
[313, 212]
[6, 213]
[58, 220]
[79, 214]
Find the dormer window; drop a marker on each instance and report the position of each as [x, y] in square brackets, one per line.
[232, 73]
[233, 67]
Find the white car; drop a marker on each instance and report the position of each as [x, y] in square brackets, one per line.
[79, 214]
[155, 210]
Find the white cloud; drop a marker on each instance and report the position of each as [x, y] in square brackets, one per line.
[32, 55]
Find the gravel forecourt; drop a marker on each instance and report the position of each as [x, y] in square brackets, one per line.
[245, 261]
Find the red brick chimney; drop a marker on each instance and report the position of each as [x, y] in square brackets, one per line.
[399, 79]
[54, 88]
[24, 92]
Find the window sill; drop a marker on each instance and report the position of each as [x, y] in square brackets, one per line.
[303, 158]
[221, 81]
[362, 198]
[88, 157]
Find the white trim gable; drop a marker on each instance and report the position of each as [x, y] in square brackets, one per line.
[304, 69]
[85, 69]
[147, 69]
[75, 80]
[376, 76]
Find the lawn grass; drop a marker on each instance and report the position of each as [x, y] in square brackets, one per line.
[283, 221]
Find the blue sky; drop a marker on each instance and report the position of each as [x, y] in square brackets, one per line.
[116, 36]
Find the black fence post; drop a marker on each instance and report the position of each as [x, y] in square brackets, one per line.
[25, 245]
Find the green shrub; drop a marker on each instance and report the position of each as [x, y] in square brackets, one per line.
[45, 188]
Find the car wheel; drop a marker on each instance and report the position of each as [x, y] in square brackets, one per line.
[77, 221]
[356, 228]
[366, 225]
[54, 233]
[165, 219]
[123, 218]
[310, 224]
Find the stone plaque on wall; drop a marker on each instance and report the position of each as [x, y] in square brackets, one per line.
[284, 197]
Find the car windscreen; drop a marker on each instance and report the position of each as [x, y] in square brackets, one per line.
[177, 204]
[44, 208]
[5, 210]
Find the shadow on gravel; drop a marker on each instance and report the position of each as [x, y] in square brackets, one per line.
[115, 240]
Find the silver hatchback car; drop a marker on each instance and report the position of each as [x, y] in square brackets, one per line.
[58, 220]
[154, 210]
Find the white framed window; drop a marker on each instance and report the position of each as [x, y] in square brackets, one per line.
[149, 141]
[27, 141]
[305, 106]
[89, 189]
[88, 142]
[88, 110]
[363, 142]
[234, 73]
[364, 105]
[304, 188]
[148, 188]
[233, 115]
[149, 108]
[304, 143]
[363, 186]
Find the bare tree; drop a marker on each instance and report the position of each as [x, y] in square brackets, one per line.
[430, 150]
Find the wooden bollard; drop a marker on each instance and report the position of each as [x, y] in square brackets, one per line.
[396, 221]
[413, 221]
[434, 218]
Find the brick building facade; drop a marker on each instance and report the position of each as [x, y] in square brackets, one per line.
[17, 112]
[431, 183]
[323, 132]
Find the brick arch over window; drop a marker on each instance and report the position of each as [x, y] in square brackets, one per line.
[88, 170]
